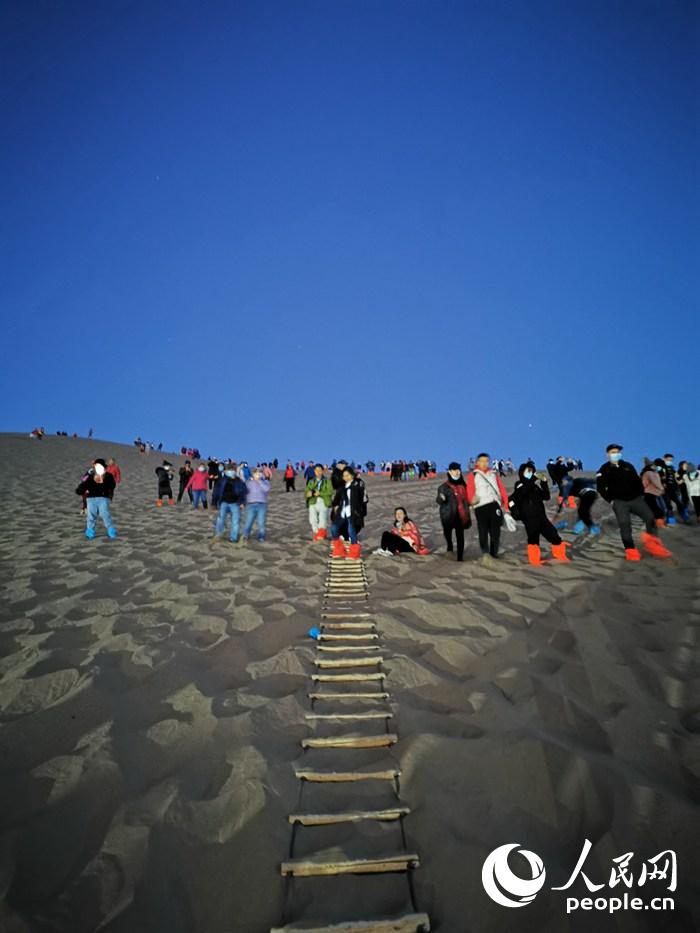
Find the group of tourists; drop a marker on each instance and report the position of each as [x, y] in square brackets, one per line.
[336, 501]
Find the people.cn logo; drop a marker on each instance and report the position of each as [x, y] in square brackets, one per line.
[502, 884]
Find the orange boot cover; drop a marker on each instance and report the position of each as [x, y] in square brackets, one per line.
[559, 551]
[533, 554]
[322, 534]
[653, 546]
[338, 549]
[660, 522]
[572, 502]
[631, 553]
[159, 502]
[354, 551]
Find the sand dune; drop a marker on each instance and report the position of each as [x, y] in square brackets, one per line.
[153, 692]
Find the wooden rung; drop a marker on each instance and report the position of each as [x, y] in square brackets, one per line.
[305, 868]
[410, 923]
[348, 662]
[369, 635]
[349, 696]
[346, 596]
[346, 615]
[351, 741]
[346, 585]
[345, 678]
[350, 816]
[342, 777]
[371, 714]
[347, 647]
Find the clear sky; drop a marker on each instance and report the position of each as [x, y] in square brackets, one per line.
[365, 228]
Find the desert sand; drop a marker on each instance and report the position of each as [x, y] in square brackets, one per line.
[153, 692]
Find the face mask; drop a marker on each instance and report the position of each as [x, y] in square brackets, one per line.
[528, 474]
[454, 475]
[201, 469]
[615, 458]
[668, 462]
[230, 473]
[99, 469]
[693, 475]
[658, 469]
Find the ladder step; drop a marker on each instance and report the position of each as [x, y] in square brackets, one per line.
[348, 662]
[347, 648]
[410, 923]
[350, 816]
[347, 615]
[342, 777]
[348, 696]
[370, 635]
[373, 714]
[345, 678]
[306, 868]
[346, 596]
[352, 741]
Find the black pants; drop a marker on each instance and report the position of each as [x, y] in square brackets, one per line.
[653, 502]
[488, 520]
[685, 495]
[289, 484]
[672, 497]
[696, 505]
[459, 535]
[623, 512]
[585, 504]
[181, 492]
[396, 544]
[536, 525]
[165, 491]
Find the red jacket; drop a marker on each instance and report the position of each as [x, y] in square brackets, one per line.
[198, 481]
[116, 473]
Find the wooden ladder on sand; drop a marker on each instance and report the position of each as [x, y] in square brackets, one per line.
[349, 658]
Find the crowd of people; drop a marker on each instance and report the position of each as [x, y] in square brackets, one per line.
[661, 495]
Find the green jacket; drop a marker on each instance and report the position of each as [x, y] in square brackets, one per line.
[325, 492]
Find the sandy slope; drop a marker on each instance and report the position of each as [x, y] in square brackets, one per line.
[153, 694]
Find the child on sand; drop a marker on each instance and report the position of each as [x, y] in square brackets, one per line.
[97, 487]
[165, 477]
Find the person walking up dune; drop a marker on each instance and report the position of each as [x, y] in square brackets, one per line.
[198, 483]
[97, 487]
[454, 508]
[231, 494]
[527, 505]
[619, 484]
[165, 477]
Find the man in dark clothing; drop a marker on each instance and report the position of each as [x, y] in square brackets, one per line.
[672, 494]
[618, 483]
[348, 513]
[186, 472]
[230, 492]
[337, 480]
[212, 472]
[585, 491]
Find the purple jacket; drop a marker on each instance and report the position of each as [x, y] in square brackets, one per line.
[258, 491]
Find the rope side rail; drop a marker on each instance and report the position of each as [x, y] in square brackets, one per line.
[349, 642]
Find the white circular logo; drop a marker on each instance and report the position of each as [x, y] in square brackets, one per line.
[499, 881]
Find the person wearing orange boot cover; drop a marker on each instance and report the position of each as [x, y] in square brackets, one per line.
[619, 484]
[527, 505]
[348, 514]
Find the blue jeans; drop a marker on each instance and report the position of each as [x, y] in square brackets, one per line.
[344, 527]
[253, 511]
[98, 507]
[199, 495]
[235, 510]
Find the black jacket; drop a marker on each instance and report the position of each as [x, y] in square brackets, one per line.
[447, 500]
[164, 477]
[528, 498]
[619, 481]
[185, 474]
[668, 476]
[358, 503]
[94, 490]
[230, 489]
[337, 478]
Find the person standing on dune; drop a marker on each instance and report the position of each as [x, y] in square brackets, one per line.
[348, 514]
[487, 494]
[319, 495]
[527, 504]
[257, 493]
[454, 508]
[165, 477]
[619, 484]
[186, 472]
[198, 484]
[97, 487]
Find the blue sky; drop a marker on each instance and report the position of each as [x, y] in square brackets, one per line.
[367, 228]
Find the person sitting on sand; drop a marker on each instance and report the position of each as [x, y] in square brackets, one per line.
[165, 477]
[404, 537]
[527, 505]
[348, 514]
[319, 496]
[486, 492]
[454, 508]
[198, 484]
[257, 492]
[231, 494]
[618, 483]
[97, 487]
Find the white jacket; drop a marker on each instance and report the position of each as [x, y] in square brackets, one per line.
[693, 484]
